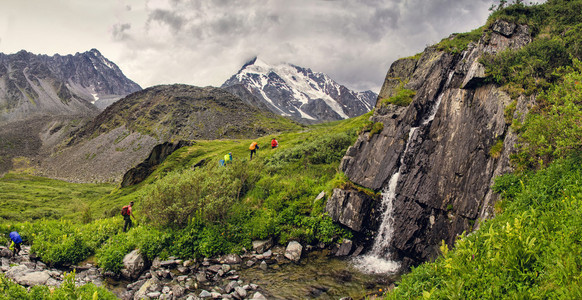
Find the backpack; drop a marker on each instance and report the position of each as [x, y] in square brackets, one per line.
[15, 237]
[125, 211]
[253, 146]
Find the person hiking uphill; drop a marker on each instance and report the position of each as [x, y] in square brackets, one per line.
[274, 143]
[253, 147]
[15, 244]
[127, 214]
[228, 158]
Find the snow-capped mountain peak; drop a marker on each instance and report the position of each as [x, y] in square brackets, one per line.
[298, 92]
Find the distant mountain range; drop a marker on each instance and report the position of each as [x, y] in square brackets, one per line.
[299, 93]
[77, 117]
[81, 84]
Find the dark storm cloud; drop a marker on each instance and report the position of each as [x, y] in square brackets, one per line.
[352, 41]
[170, 18]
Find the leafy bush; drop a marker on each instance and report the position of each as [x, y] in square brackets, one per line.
[203, 193]
[553, 129]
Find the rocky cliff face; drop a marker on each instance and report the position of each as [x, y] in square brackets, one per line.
[433, 158]
[299, 93]
[80, 84]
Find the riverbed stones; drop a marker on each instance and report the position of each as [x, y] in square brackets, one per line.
[293, 251]
[133, 265]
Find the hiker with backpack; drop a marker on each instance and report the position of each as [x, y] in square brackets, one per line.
[228, 158]
[253, 147]
[274, 143]
[15, 244]
[127, 214]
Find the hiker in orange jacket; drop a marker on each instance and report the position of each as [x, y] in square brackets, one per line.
[274, 143]
[253, 147]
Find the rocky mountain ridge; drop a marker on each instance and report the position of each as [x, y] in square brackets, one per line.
[43, 98]
[124, 134]
[80, 84]
[433, 161]
[299, 93]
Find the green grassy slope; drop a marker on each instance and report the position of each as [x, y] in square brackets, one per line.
[28, 198]
[192, 209]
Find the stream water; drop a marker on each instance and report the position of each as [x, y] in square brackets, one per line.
[318, 276]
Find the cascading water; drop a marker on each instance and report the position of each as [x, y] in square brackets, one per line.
[378, 260]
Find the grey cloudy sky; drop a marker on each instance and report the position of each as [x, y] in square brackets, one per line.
[204, 42]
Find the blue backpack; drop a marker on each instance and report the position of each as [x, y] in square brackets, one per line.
[15, 237]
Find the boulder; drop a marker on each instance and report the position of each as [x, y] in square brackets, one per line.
[293, 251]
[32, 278]
[345, 248]
[205, 294]
[262, 246]
[5, 252]
[231, 259]
[151, 285]
[258, 296]
[18, 270]
[240, 291]
[350, 208]
[133, 265]
[230, 286]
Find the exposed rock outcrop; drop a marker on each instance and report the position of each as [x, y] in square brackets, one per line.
[445, 164]
[159, 153]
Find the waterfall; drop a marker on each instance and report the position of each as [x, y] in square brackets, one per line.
[378, 259]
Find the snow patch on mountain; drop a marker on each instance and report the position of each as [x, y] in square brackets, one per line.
[290, 90]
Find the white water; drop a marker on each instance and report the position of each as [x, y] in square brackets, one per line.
[378, 260]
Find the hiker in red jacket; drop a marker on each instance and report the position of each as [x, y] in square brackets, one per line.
[274, 143]
[127, 214]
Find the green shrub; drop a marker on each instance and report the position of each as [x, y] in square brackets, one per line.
[459, 42]
[496, 149]
[403, 97]
[552, 129]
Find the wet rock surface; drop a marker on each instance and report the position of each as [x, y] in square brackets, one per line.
[445, 166]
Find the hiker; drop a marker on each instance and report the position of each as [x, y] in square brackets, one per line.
[274, 143]
[15, 244]
[228, 158]
[127, 214]
[253, 147]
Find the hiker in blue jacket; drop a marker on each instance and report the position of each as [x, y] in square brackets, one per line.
[16, 241]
